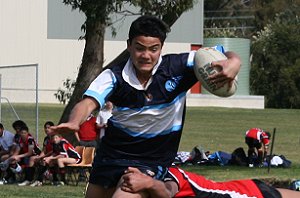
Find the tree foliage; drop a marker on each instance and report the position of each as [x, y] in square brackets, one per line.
[64, 95]
[266, 10]
[276, 62]
[228, 18]
[241, 18]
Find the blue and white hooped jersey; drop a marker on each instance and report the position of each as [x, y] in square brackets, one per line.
[147, 122]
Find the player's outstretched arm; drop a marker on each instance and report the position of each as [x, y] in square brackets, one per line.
[78, 115]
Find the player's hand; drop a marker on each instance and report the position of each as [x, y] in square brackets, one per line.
[38, 159]
[47, 159]
[63, 128]
[228, 70]
[135, 181]
[15, 158]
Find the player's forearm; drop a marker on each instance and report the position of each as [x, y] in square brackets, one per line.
[82, 110]
[48, 154]
[158, 189]
[77, 136]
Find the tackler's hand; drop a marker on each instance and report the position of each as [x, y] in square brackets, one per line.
[135, 181]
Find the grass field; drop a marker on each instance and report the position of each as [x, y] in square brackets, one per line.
[224, 128]
[212, 128]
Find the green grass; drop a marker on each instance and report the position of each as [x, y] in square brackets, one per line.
[212, 128]
[224, 129]
[46, 191]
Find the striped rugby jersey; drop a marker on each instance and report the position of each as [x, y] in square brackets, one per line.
[147, 122]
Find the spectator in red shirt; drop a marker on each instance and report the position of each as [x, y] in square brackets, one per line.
[258, 139]
[26, 147]
[37, 160]
[14, 150]
[88, 133]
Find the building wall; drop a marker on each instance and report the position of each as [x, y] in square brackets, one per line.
[46, 32]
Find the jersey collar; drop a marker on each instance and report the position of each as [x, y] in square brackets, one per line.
[129, 75]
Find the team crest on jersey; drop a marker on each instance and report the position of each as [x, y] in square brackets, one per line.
[171, 84]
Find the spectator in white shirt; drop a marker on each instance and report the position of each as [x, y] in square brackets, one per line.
[102, 118]
[6, 142]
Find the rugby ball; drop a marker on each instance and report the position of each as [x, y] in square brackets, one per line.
[202, 62]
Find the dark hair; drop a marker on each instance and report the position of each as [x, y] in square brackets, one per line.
[148, 26]
[50, 123]
[24, 127]
[268, 134]
[18, 123]
[1, 126]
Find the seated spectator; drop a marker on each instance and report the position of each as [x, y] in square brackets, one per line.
[6, 144]
[37, 162]
[17, 127]
[180, 183]
[88, 133]
[63, 153]
[10, 175]
[26, 148]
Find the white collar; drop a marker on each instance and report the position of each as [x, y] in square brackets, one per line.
[129, 75]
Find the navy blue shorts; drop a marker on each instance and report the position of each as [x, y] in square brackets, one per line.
[107, 173]
[251, 142]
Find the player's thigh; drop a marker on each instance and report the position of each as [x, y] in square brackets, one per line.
[96, 191]
[289, 193]
[120, 194]
[67, 160]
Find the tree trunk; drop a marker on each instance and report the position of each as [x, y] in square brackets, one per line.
[91, 67]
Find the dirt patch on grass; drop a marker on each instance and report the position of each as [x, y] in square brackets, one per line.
[278, 183]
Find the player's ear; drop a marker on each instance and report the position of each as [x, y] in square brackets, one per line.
[128, 44]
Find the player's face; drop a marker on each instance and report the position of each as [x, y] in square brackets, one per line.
[23, 134]
[144, 52]
[47, 129]
[55, 139]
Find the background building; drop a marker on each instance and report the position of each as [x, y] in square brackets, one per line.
[46, 33]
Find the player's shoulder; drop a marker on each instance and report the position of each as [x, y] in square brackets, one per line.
[175, 62]
[116, 67]
[175, 57]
